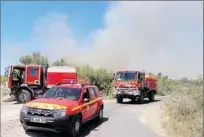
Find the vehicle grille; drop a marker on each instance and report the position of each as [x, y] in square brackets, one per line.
[40, 112]
[127, 89]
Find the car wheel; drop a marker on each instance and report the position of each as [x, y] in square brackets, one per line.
[151, 96]
[76, 126]
[100, 114]
[141, 98]
[119, 99]
[23, 96]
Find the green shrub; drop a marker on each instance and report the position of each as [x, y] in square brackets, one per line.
[183, 111]
[99, 77]
[4, 80]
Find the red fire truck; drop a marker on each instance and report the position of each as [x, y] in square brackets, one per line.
[134, 85]
[28, 82]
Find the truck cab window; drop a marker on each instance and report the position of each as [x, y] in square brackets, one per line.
[33, 72]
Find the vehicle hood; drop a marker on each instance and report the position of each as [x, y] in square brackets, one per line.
[125, 84]
[45, 103]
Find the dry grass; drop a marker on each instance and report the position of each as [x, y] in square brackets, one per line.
[183, 113]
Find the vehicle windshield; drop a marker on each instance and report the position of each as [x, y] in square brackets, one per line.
[125, 76]
[63, 93]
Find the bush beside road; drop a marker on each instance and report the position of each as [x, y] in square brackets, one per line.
[182, 112]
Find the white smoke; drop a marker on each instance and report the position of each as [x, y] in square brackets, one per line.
[154, 36]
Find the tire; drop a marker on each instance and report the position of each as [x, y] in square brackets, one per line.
[133, 100]
[23, 96]
[100, 115]
[151, 96]
[119, 100]
[141, 98]
[76, 126]
[25, 129]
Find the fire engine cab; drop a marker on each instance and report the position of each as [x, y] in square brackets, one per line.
[28, 82]
[134, 85]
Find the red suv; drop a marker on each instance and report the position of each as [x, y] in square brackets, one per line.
[63, 108]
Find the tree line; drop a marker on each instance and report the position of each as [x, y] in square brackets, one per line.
[102, 77]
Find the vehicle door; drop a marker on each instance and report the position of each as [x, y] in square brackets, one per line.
[93, 97]
[86, 111]
[33, 75]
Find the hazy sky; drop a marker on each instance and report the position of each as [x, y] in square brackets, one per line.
[164, 36]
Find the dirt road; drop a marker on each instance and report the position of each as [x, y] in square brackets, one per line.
[119, 120]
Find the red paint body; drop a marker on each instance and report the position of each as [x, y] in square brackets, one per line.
[55, 77]
[36, 79]
[59, 75]
[152, 84]
[88, 110]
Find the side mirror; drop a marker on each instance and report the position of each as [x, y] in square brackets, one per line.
[86, 100]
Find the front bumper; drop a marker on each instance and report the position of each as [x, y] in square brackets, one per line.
[52, 124]
[127, 92]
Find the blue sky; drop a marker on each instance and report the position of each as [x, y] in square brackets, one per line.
[154, 36]
[18, 19]
[20, 16]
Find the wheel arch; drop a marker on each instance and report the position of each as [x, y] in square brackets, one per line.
[79, 114]
[25, 87]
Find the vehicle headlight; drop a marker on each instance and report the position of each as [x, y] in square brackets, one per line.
[25, 109]
[59, 113]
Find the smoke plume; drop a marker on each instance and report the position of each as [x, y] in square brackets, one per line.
[153, 36]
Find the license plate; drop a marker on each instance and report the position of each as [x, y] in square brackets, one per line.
[38, 120]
